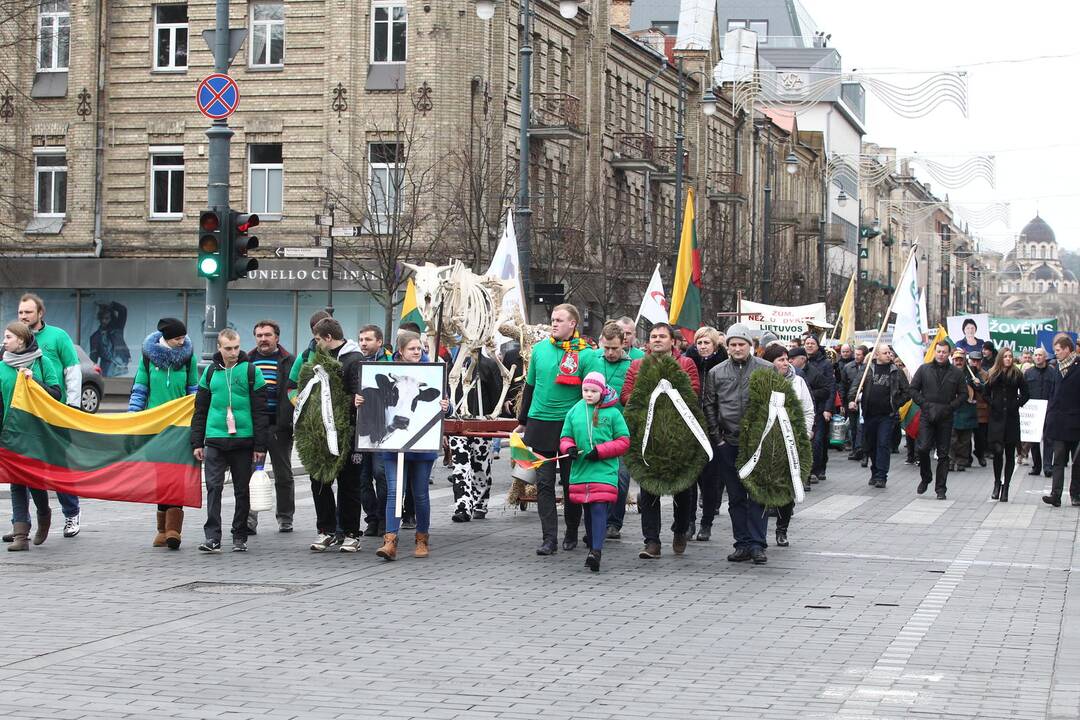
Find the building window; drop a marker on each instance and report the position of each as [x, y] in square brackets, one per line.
[265, 181]
[50, 184]
[386, 162]
[166, 182]
[761, 27]
[267, 34]
[54, 35]
[389, 26]
[170, 37]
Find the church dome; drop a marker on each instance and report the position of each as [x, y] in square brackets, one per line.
[1045, 272]
[1011, 271]
[1068, 275]
[1037, 231]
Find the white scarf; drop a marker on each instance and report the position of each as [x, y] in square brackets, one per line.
[319, 377]
[665, 388]
[777, 411]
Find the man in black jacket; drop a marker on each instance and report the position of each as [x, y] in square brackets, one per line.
[470, 457]
[1042, 380]
[938, 388]
[884, 393]
[275, 363]
[229, 430]
[824, 394]
[850, 375]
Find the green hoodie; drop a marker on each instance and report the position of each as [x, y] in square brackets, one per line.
[229, 386]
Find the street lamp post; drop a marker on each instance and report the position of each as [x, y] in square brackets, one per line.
[485, 10]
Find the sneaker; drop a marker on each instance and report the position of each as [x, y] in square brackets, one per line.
[740, 555]
[781, 538]
[71, 526]
[651, 551]
[239, 546]
[592, 560]
[350, 545]
[678, 544]
[923, 485]
[613, 533]
[322, 543]
[461, 516]
[909, 461]
[285, 526]
[210, 546]
[758, 556]
[813, 479]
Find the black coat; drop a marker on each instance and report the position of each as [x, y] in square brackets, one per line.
[1063, 411]
[938, 390]
[824, 387]
[1042, 382]
[1005, 394]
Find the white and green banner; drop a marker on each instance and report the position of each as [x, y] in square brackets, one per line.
[1019, 334]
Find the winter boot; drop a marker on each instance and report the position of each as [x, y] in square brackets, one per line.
[1005, 491]
[592, 561]
[19, 535]
[174, 523]
[388, 551]
[997, 490]
[159, 539]
[421, 545]
[44, 521]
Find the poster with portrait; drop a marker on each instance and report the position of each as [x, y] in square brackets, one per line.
[401, 411]
[968, 332]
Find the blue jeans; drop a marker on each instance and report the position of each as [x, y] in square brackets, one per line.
[417, 474]
[20, 502]
[877, 437]
[69, 504]
[749, 523]
[617, 510]
[596, 522]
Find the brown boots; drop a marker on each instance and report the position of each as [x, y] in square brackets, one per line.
[159, 539]
[19, 535]
[174, 523]
[44, 522]
[388, 551]
[421, 545]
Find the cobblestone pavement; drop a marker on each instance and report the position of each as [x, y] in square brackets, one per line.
[886, 605]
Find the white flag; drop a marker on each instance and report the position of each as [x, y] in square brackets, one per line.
[504, 265]
[908, 333]
[923, 314]
[654, 306]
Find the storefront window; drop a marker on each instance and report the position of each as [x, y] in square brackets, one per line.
[115, 323]
[352, 309]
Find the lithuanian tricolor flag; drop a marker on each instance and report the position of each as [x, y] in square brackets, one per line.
[523, 455]
[410, 311]
[686, 294]
[910, 412]
[140, 457]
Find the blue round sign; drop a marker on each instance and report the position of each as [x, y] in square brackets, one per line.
[217, 96]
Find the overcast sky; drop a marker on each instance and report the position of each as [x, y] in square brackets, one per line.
[1024, 113]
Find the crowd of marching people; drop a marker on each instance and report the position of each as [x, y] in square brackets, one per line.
[570, 406]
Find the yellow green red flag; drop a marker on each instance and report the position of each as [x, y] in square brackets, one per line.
[410, 311]
[686, 294]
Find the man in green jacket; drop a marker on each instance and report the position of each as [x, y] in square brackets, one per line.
[229, 430]
[56, 345]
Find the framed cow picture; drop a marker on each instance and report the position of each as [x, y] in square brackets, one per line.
[401, 410]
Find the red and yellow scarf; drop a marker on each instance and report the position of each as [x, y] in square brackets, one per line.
[570, 364]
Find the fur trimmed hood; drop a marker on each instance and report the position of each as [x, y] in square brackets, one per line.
[164, 357]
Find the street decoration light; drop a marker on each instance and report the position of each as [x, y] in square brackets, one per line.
[485, 9]
[568, 8]
[841, 199]
[791, 163]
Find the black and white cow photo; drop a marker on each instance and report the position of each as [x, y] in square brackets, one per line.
[401, 410]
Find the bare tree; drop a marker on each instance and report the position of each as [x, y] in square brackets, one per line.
[391, 197]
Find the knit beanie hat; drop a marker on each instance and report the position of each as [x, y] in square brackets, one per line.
[171, 328]
[596, 381]
[738, 330]
[768, 338]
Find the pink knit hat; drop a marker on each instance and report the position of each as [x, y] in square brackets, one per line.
[596, 381]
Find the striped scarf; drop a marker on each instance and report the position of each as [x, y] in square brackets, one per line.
[570, 363]
[1065, 365]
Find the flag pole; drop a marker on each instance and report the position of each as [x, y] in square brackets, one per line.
[885, 322]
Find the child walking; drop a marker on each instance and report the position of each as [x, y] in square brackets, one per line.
[594, 435]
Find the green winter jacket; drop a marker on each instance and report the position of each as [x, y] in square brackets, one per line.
[227, 386]
[45, 372]
[165, 374]
[595, 480]
[614, 372]
[56, 345]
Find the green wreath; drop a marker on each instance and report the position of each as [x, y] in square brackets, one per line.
[675, 458]
[769, 483]
[309, 431]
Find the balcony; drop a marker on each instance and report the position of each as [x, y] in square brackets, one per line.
[726, 187]
[808, 224]
[635, 152]
[834, 234]
[555, 116]
[666, 157]
[784, 215]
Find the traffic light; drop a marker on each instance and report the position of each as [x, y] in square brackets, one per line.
[240, 243]
[211, 241]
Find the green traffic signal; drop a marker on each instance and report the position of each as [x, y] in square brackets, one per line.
[210, 242]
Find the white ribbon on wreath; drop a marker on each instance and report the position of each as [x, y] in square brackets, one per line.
[778, 413]
[666, 388]
[326, 403]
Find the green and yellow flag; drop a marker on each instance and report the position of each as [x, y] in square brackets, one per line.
[142, 457]
[410, 311]
[523, 455]
[686, 294]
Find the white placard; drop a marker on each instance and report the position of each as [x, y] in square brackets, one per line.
[1032, 417]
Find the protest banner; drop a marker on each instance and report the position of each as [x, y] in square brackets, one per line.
[1032, 417]
[1019, 334]
[787, 323]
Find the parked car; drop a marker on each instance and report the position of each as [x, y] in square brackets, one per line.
[93, 387]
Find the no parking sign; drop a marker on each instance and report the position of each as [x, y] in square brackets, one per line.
[217, 96]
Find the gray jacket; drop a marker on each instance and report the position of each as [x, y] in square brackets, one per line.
[727, 391]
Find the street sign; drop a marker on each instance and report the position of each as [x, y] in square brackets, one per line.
[236, 41]
[346, 231]
[217, 96]
[323, 242]
[324, 220]
[322, 263]
[864, 274]
[864, 253]
[300, 252]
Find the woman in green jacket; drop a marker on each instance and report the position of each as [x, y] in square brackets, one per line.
[169, 370]
[22, 355]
